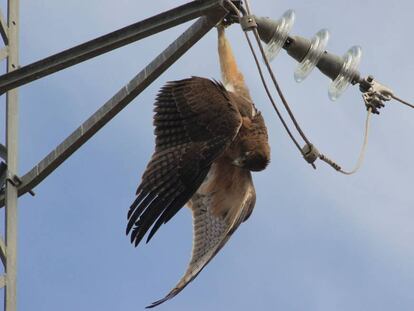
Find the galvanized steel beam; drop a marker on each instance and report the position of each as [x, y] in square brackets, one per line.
[12, 111]
[107, 43]
[120, 100]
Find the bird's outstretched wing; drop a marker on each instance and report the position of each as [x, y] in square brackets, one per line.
[195, 121]
[221, 204]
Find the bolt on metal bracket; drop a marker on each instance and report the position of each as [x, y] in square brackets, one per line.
[248, 22]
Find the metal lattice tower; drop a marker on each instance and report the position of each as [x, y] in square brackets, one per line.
[207, 12]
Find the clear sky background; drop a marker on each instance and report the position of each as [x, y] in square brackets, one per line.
[317, 240]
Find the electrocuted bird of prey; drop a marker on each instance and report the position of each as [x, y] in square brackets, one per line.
[209, 137]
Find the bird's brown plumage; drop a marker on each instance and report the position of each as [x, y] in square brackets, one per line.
[208, 139]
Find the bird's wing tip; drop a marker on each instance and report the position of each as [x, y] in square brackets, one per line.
[170, 295]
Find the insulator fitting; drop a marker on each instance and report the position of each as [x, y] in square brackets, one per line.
[297, 47]
[330, 65]
[275, 33]
[374, 94]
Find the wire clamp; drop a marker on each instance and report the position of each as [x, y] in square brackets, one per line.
[248, 22]
[232, 17]
[375, 94]
[310, 153]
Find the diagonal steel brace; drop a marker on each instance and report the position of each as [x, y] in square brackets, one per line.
[107, 43]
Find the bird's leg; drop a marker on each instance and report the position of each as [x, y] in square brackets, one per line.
[232, 78]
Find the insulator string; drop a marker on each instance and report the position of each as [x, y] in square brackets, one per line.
[322, 157]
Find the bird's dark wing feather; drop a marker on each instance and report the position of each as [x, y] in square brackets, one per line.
[195, 121]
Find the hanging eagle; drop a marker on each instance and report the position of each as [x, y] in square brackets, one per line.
[209, 138]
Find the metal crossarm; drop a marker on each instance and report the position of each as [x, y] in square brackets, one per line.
[107, 43]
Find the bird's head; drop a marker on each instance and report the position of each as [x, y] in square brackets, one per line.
[254, 155]
[253, 146]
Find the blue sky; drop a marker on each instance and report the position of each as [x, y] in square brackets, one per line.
[317, 240]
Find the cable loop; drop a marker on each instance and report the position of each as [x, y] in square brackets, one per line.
[361, 157]
[364, 146]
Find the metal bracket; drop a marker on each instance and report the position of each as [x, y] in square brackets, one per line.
[248, 22]
[17, 182]
[310, 153]
[231, 17]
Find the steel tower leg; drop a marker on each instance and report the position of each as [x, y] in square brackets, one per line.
[12, 157]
